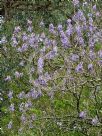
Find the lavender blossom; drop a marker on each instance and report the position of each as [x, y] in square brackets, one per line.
[75, 2]
[23, 118]
[69, 30]
[10, 125]
[24, 37]
[42, 37]
[18, 75]
[11, 108]
[31, 41]
[8, 78]
[21, 107]
[69, 21]
[14, 42]
[92, 55]
[42, 24]
[21, 95]
[82, 114]
[3, 40]
[29, 22]
[74, 57]
[28, 104]
[40, 81]
[78, 30]
[10, 95]
[50, 55]
[19, 49]
[33, 117]
[51, 28]
[79, 67]
[90, 67]
[95, 121]
[30, 28]
[35, 94]
[100, 63]
[60, 28]
[94, 8]
[17, 29]
[40, 65]
[24, 47]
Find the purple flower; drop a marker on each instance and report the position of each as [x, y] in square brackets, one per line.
[90, 21]
[100, 63]
[91, 43]
[35, 94]
[75, 2]
[91, 28]
[47, 76]
[42, 37]
[8, 78]
[62, 35]
[10, 94]
[11, 108]
[50, 55]
[42, 24]
[47, 42]
[98, 14]
[14, 42]
[74, 57]
[41, 81]
[83, 52]
[60, 28]
[21, 95]
[18, 75]
[24, 37]
[51, 27]
[92, 55]
[19, 49]
[21, 107]
[17, 29]
[94, 7]
[40, 65]
[69, 30]
[78, 30]
[82, 114]
[23, 118]
[24, 47]
[30, 28]
[33, 117]
[3, 40]
[95, 121]
[69, 21]
[28, 104]
[31, 41]
[29, 22]
[81, 41]
[10, 125]
[90, 67]
[64, 40]
[79, 67]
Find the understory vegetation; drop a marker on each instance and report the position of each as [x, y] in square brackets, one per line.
[51, 68]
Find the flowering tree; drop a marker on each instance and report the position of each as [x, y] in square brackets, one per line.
[53, 77]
